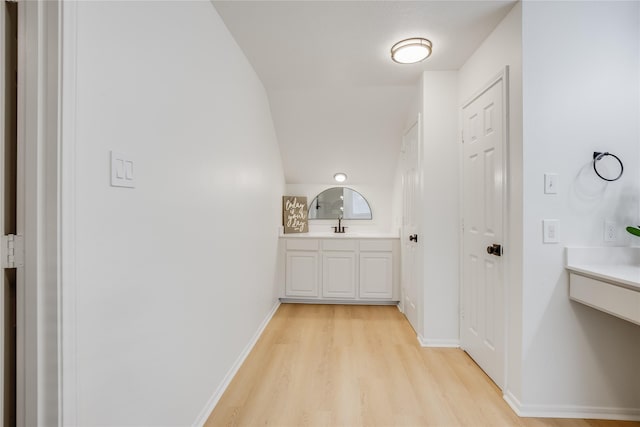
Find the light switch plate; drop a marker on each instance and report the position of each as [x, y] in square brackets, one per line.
[122, 170]
[610, 234]
[550, 231]
[550, 183]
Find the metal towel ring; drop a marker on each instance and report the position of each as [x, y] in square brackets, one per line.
[599, 156]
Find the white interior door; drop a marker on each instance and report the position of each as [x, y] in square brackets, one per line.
[411, 267]
[483, 311]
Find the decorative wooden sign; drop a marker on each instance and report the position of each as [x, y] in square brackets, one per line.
[294, 214]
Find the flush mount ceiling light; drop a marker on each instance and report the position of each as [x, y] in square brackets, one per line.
[410, 51]
[340, 177]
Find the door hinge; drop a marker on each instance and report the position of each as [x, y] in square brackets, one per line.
[12, 251]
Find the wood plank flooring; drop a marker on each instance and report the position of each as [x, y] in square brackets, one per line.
[347, 365]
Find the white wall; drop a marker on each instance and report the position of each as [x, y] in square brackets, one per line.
[580, 91]
[175, 276]
[440, 208]
[380, 200]
[504, 48]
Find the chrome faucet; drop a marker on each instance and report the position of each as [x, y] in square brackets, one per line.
[339, 228]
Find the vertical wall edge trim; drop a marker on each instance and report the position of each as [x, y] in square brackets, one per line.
[67, 345]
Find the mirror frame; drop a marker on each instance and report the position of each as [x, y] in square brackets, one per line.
[314, 200]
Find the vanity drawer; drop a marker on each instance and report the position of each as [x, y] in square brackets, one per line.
[616, 300]
[374, 245]
[339, 245]
[302, 245]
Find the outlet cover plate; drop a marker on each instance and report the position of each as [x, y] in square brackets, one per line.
[610, 231]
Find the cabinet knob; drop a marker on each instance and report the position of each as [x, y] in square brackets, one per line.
[413, 238]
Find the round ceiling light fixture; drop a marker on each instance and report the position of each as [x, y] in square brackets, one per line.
[340, 177]
[410, 51]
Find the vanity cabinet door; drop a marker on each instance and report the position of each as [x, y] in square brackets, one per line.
[302, 274]
[376, 278]
[338, 274]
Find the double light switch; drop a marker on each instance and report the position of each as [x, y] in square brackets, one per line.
[122, 172]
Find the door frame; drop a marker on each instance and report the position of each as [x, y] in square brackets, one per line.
[38, 213]
[3, 66]
[502, 78]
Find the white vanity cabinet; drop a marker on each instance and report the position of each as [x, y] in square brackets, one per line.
[338, 275]
[341, 270]
[302, 269]
[376, 269]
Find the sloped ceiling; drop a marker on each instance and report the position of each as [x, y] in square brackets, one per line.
[339, 103]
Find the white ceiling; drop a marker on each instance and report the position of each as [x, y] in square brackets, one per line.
[339, 103]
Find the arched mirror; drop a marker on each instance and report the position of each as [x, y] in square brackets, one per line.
[339, 202]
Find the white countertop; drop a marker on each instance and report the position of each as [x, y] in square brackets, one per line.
[625, 275]
[617, 265]
[347, 235]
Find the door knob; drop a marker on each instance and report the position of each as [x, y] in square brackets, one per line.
[494, 249]
[413, 238]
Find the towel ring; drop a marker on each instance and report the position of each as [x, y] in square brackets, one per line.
[599, 156]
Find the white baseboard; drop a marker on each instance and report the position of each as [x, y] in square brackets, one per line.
[424, 342]
[335, 301]
[213, 401]
[570, 411]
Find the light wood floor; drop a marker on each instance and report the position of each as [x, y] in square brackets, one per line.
[341, 365]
